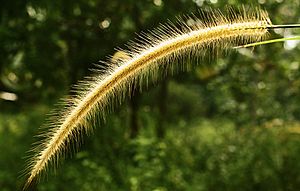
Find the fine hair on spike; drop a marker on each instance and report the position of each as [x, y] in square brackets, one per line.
[150, 57]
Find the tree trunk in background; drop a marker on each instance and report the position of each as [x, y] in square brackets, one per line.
[134, 107]
[134, 101]
[162, 101]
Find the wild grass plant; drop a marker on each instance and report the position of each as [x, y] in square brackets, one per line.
[150, 57]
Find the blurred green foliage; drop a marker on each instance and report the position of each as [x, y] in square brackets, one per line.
[230, 124]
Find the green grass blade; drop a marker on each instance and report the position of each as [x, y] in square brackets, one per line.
[268, 42]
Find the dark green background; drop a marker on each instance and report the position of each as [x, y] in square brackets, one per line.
[230, 123]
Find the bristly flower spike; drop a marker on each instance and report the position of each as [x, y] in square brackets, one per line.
[150, 57]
